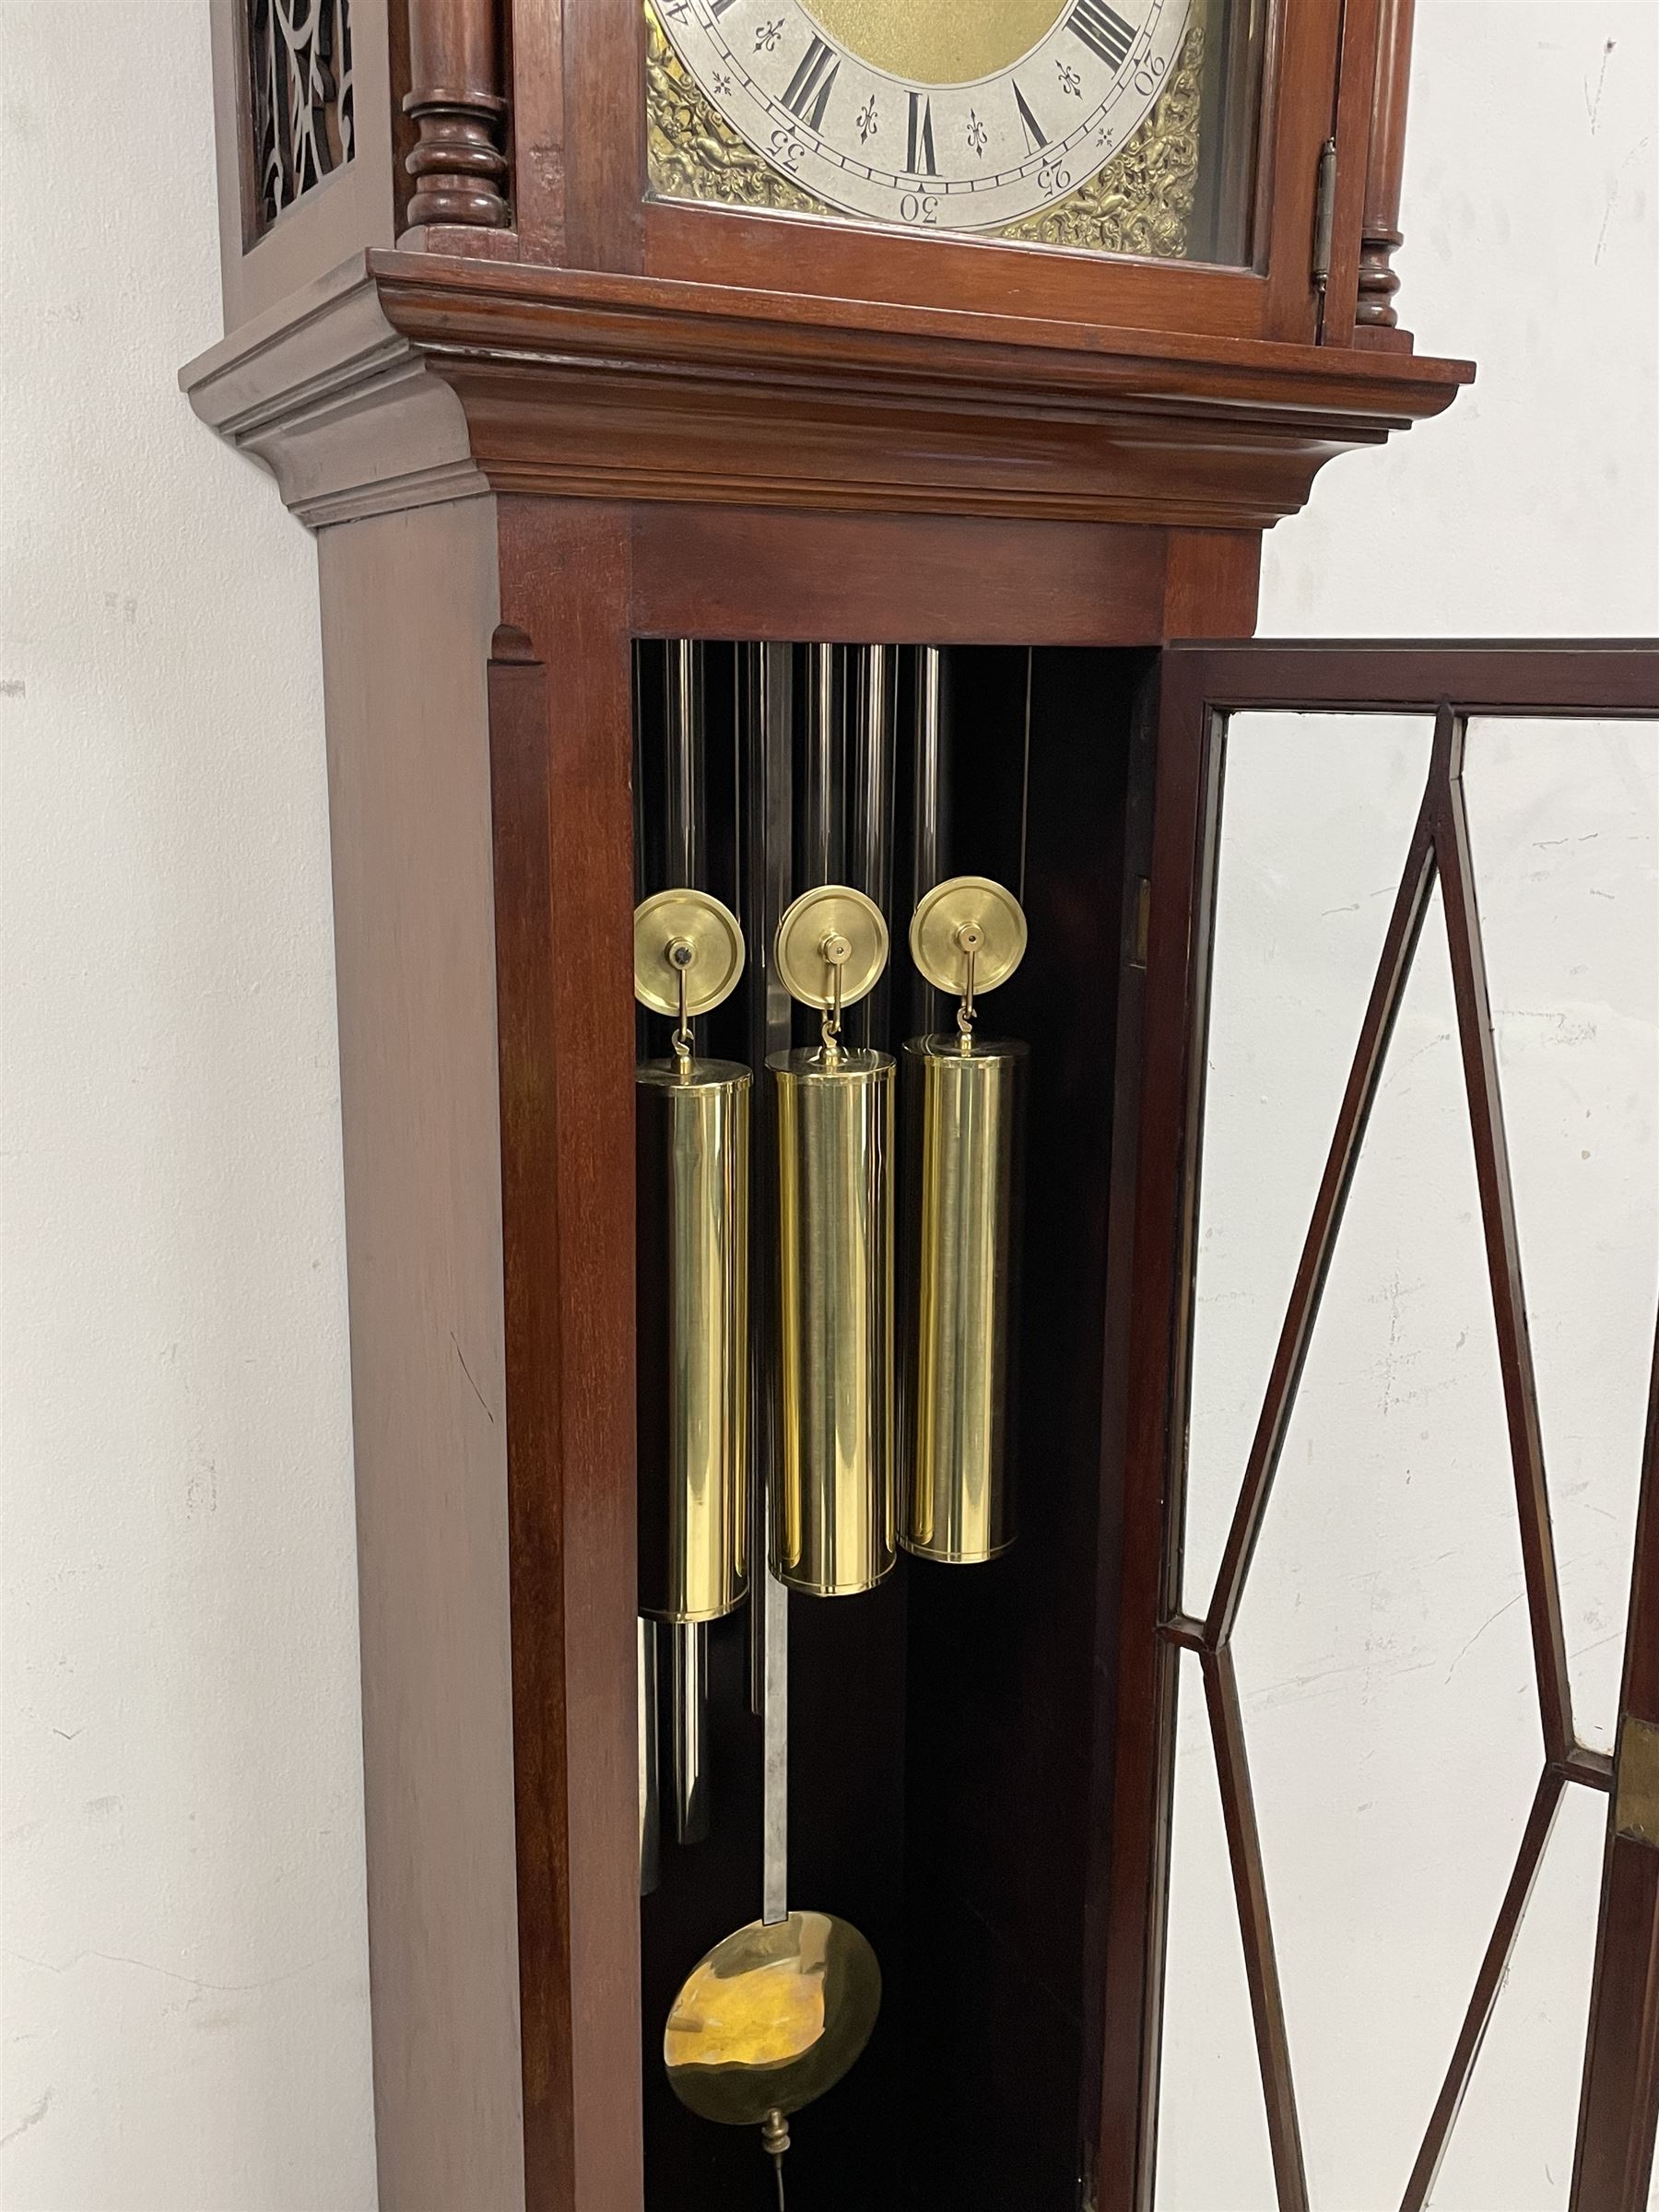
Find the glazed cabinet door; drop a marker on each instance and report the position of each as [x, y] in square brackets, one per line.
[1382, 1906]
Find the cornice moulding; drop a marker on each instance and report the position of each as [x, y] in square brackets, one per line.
[402, 379]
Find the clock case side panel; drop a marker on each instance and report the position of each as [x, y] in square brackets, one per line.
[408, 605]
[610, 221]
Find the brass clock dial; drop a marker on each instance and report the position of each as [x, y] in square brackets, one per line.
[931, 114]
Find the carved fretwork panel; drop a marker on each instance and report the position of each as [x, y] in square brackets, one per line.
[299, 95]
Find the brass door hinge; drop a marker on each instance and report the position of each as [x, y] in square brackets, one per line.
[1324, 214]
[1140, 927]
[1636, 1799]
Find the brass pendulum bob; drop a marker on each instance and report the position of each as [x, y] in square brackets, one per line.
[964, 1109]
[771, 2019]
[775, 2014]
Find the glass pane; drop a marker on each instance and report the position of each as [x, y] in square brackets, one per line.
[1382, 1648]
[1213, 2153]
[1564, 823]
[1511, 2147]
[1122, 129]
[1318, 813]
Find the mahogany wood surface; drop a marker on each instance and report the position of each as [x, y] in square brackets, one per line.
[1478, 1045]
[609, 222]
[1488, 1984]
[558, 91]
[456, 102]
[1619, 2110]
[408, 605]
[566, 1039]
[614, 387]
[1255, 1928]
[1350, 124]
[1379, 227]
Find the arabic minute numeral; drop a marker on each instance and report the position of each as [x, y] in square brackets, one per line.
[920, 207]
[788, 150]
[1054, 178]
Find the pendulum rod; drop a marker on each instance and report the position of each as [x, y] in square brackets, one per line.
[684, 785]
[767, 705]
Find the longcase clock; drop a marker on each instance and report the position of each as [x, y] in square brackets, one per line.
[757, 453]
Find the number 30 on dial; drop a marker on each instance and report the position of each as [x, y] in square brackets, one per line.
[938, 114]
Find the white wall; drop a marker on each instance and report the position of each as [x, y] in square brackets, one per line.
[184, 1970]
[184, 1984]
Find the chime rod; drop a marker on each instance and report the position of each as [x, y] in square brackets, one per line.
[651, 1812]
[927, 852]
[683, 784]
[683, 804]
[930, 773]
[768, 698]
[823, 839]
[871, 869]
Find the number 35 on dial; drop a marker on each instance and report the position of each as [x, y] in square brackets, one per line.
[937, 114]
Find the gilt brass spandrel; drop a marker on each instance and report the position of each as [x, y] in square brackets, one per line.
[1636, 1808]
[692, 1124]
[692, 153]
[1141, 202]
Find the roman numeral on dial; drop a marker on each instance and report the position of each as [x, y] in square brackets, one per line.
[1036, 137]
[1102, 30]
[918, 157]
[810, 86]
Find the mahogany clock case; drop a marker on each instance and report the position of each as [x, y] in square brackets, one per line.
[543, 417]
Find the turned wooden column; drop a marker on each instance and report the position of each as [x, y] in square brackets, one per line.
[456, 98]
[1379, 237]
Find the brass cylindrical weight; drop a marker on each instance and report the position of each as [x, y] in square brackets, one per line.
[834, 1521]
[964, 1104]
[691, 1243]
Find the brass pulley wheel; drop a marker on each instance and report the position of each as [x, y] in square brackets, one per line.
[689, 933]
[968, 915]
[830, 928]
